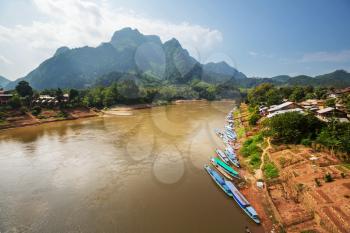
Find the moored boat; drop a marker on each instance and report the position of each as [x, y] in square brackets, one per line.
[232, 156]
[222, 155]
[243, 202]
[221, 170]
[226, 168]
[231, 135]
[219, 180]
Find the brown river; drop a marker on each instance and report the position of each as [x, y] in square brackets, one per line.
[137, 172]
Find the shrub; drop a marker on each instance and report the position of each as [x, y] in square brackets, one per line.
[36, 110]
[254, 118]
[255, 160]
[62, 114]
[328, 178]
[23, 110]
[15, 102]
[306, 141]
[282, 161]
[270, 170]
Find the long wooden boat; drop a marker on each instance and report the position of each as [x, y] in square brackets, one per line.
[222, 155]
[232, 156]
[243, 202]
[219, 180]
[226, 168]
[221, 170]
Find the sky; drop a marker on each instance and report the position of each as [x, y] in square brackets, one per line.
[259, 38]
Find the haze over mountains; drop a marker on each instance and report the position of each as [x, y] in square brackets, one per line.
[145, 56]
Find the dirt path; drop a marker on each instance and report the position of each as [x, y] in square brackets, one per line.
[259, 172]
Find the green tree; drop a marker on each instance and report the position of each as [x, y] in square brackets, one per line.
[273, 97]
[59, 95]
[330, 103]
[265, 93]
[292, 127]
[73, 95]
[128, 91]
[15, 102]
[24, 89]
[321, 92]
[297, 95]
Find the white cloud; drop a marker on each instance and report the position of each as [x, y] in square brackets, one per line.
[76, 23]
[341, 56]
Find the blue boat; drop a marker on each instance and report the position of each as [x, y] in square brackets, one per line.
[243, 202]
[219, 180]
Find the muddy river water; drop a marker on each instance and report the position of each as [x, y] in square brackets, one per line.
[137, 172]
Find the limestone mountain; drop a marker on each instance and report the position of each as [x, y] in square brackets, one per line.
[128, 51]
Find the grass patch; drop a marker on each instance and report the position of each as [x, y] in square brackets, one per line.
[270, 170]
[252, 151]
[240, 132]
[3, 122]
[346, 165]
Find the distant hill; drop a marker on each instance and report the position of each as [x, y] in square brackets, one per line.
[337, 79]
[128, 51]
[3, 81]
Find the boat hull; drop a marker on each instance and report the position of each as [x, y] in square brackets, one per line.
[210, 172]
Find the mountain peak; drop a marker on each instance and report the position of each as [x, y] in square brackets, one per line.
[125, 32]
[173, 43]
[61, 50]
[131, 38]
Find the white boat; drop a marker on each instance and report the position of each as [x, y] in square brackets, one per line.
[222, 156]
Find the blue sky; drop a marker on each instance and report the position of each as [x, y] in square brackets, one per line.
[260, 38]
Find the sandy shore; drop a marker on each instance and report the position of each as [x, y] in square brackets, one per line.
[27, 119]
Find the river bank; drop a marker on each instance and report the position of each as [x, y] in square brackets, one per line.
[298, 196]
[18, 119]
[256, 196]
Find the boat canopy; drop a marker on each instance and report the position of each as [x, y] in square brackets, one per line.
[252, 211]
[237, 195]
[226, 167]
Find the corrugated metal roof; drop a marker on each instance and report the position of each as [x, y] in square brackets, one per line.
[275, 108]
[325, 110]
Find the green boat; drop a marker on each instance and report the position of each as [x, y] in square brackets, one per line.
[226, 167]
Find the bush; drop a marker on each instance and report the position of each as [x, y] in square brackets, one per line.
[306, 141]
[254, 118]
[36, 110]
[335, 136]
[255, 160]
[15, 102]
[270, 170]
[251, 150]
[23, 110]
[328, 178]
[62, 114]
